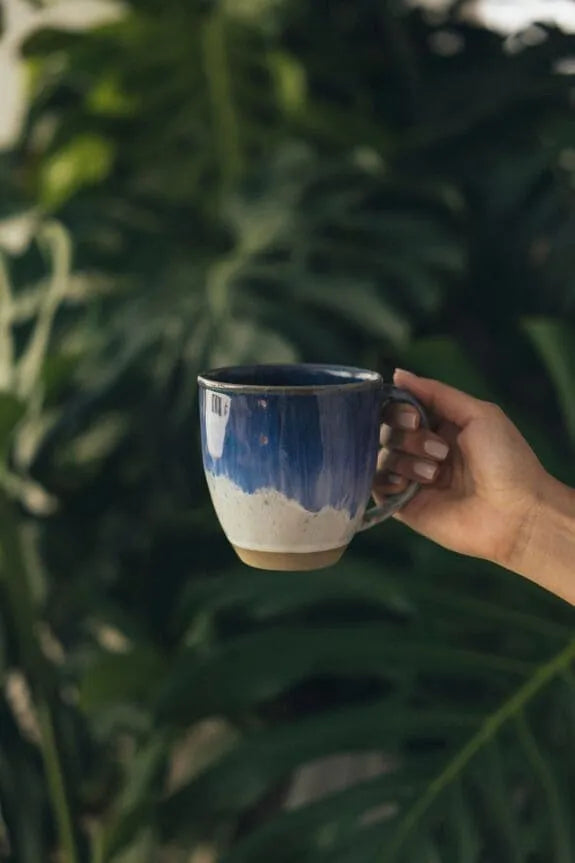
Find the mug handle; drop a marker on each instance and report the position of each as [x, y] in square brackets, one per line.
[377, 514]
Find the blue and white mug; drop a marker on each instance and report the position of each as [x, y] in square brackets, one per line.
[290, 453]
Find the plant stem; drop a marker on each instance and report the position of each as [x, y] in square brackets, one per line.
[6, 337]
[56, 243]
[225, 121]
[18, 592]
[35, 666]
[490, 727]
[56, 783]
[97, 849]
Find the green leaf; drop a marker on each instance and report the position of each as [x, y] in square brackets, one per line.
[84, 161]
[364, 846]
[49, 40]
[6, 321]
[241, 342]
[436, 244]
[550, 792]
[144, 849]
[114, 677]
[358, 301]
[109, 99]
[555, 343]
[259, 667]
[293, 835]
[443, 358]
[467, 840]
[290, 81]
[55, 242]
[267, 597]
[342, 820]
[498, 802]
[135, 802]
[263, 759]
[11, 412]
[487, 733]
[22, 823]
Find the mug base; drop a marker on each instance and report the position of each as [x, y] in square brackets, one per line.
[288, 561]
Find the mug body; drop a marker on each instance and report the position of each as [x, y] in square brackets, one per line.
[289, 454]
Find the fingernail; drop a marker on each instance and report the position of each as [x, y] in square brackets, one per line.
[404, 372]
[394, 478]
[424, 469]
[382, 459]
[407, 420]
[384, 434]
[436, 449]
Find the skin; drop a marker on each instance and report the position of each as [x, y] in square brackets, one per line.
[484, 491]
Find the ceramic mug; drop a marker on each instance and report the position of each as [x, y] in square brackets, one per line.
[290, 454]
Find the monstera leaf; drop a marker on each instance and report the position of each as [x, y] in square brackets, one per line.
[462, 724]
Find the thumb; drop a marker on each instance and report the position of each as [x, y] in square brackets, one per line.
[444, 401]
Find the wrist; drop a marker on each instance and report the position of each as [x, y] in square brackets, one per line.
[544, 550]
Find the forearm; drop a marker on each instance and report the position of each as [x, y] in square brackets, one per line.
[547, 555]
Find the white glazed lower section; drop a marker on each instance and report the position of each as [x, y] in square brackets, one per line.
[268, 521]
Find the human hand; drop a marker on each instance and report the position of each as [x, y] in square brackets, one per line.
[481, 481]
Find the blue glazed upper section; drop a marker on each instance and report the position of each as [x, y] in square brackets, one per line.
[318, 448]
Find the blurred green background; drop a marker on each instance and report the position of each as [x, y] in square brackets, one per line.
[197, 182]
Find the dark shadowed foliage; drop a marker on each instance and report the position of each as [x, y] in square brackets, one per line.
[222, 182]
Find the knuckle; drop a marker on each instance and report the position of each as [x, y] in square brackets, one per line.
[492, 409]
[397, 439]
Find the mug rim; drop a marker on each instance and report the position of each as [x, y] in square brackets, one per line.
[368, 379]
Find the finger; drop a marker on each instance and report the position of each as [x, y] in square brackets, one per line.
[420, 443]
[413, 468]
[402, 416]
[443, 400]
[389, 483]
